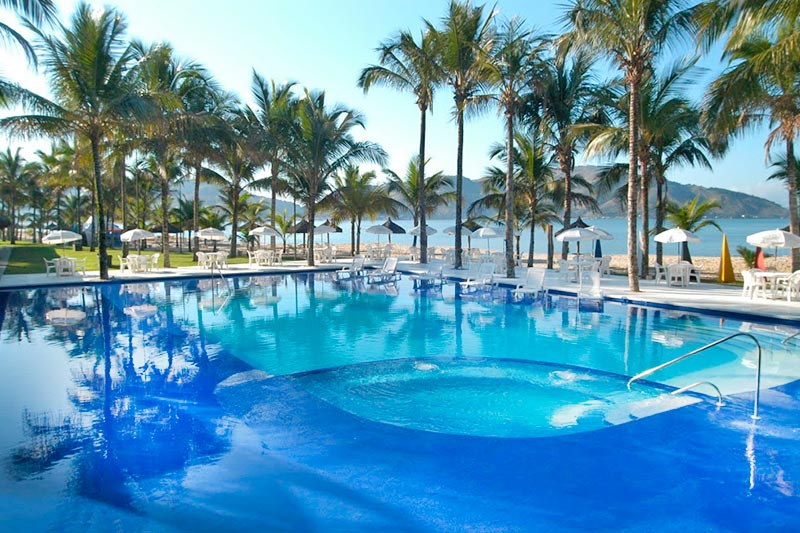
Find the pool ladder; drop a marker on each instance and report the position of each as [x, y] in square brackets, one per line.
[227, 286]
[655, 369]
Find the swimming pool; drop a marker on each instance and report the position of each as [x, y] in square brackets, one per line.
[298, 403]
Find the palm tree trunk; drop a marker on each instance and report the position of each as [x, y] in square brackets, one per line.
[633, 181]
[358, 236]
[274, 200]
[95, 216]
[352, 236]
[198, 169]
[550, 247]
[661, 209]
[644, 239]
[533, 233]
[509, 214]
[459, 180]
[234, 216]
[311, 209]
[98, 194]
[120, 168]
[423, 232]
[565, 164]
[164, 213]
[791, 186]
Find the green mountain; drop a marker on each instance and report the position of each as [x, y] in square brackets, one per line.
[733, 204]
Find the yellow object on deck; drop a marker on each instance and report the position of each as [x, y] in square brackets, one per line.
[726, 274]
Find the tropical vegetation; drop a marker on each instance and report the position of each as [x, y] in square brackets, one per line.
[131, 122]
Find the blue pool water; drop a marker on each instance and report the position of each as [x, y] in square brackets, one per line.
[297, 403]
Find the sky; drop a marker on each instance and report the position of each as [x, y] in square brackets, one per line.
[322, 44]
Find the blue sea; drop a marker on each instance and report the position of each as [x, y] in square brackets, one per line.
[737, 229]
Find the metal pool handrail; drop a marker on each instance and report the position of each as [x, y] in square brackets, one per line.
[655, 369]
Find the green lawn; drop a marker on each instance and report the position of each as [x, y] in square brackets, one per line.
[27, 258]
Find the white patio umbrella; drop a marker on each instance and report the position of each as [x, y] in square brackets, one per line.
[774, 238]
[379, 229]
[603, 235]
[486, 233]
[137, 235]
[577, 234]
[61, 236]
[676, 235]
[211, 234]
[265, 231]
[428, 229]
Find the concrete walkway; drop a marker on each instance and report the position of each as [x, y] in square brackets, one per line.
[702, 297]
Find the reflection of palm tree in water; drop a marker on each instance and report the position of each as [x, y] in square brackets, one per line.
[119, 434]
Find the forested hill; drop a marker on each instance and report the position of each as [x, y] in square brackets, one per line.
[733, 204]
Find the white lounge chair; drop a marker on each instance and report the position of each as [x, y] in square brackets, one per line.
[605, 265]
[483, 278]
[433, 277]
[353, 270]
[387, 273]
[533, 284]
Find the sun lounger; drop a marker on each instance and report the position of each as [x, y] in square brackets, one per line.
[353, 270]
[484, 278]
[387, 273]
[433, 277]
[532, 285]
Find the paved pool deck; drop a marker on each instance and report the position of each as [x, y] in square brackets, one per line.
[711, 297]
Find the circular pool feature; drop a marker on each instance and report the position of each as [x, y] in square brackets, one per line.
[487, 397]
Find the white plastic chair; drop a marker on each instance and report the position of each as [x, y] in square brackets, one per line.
[661, 273]
[533, 284]
[50, 265]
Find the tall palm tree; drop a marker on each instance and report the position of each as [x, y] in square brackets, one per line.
[95, 88]
[321, 145]
[412, 67]
[275, 109]
[568, 96]
[438, 191]
[238, 161]
[512, 66]
[165, 79]
[750, 92]
[632, 33]
[464, 42]
[355, 196]
[670, 136]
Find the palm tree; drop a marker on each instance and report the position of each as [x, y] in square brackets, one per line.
[536, 188]
[632, 32]
[321, 145]
[464, 43]
[408, 66]
[670, 136]
[512, 67]
[275, 109]
[238, 162]
[165, 79]
[568, 98]
[691, 216]
[14, 176]
[438, 191]
[89, 70]
[751, 92]
[355, 196]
